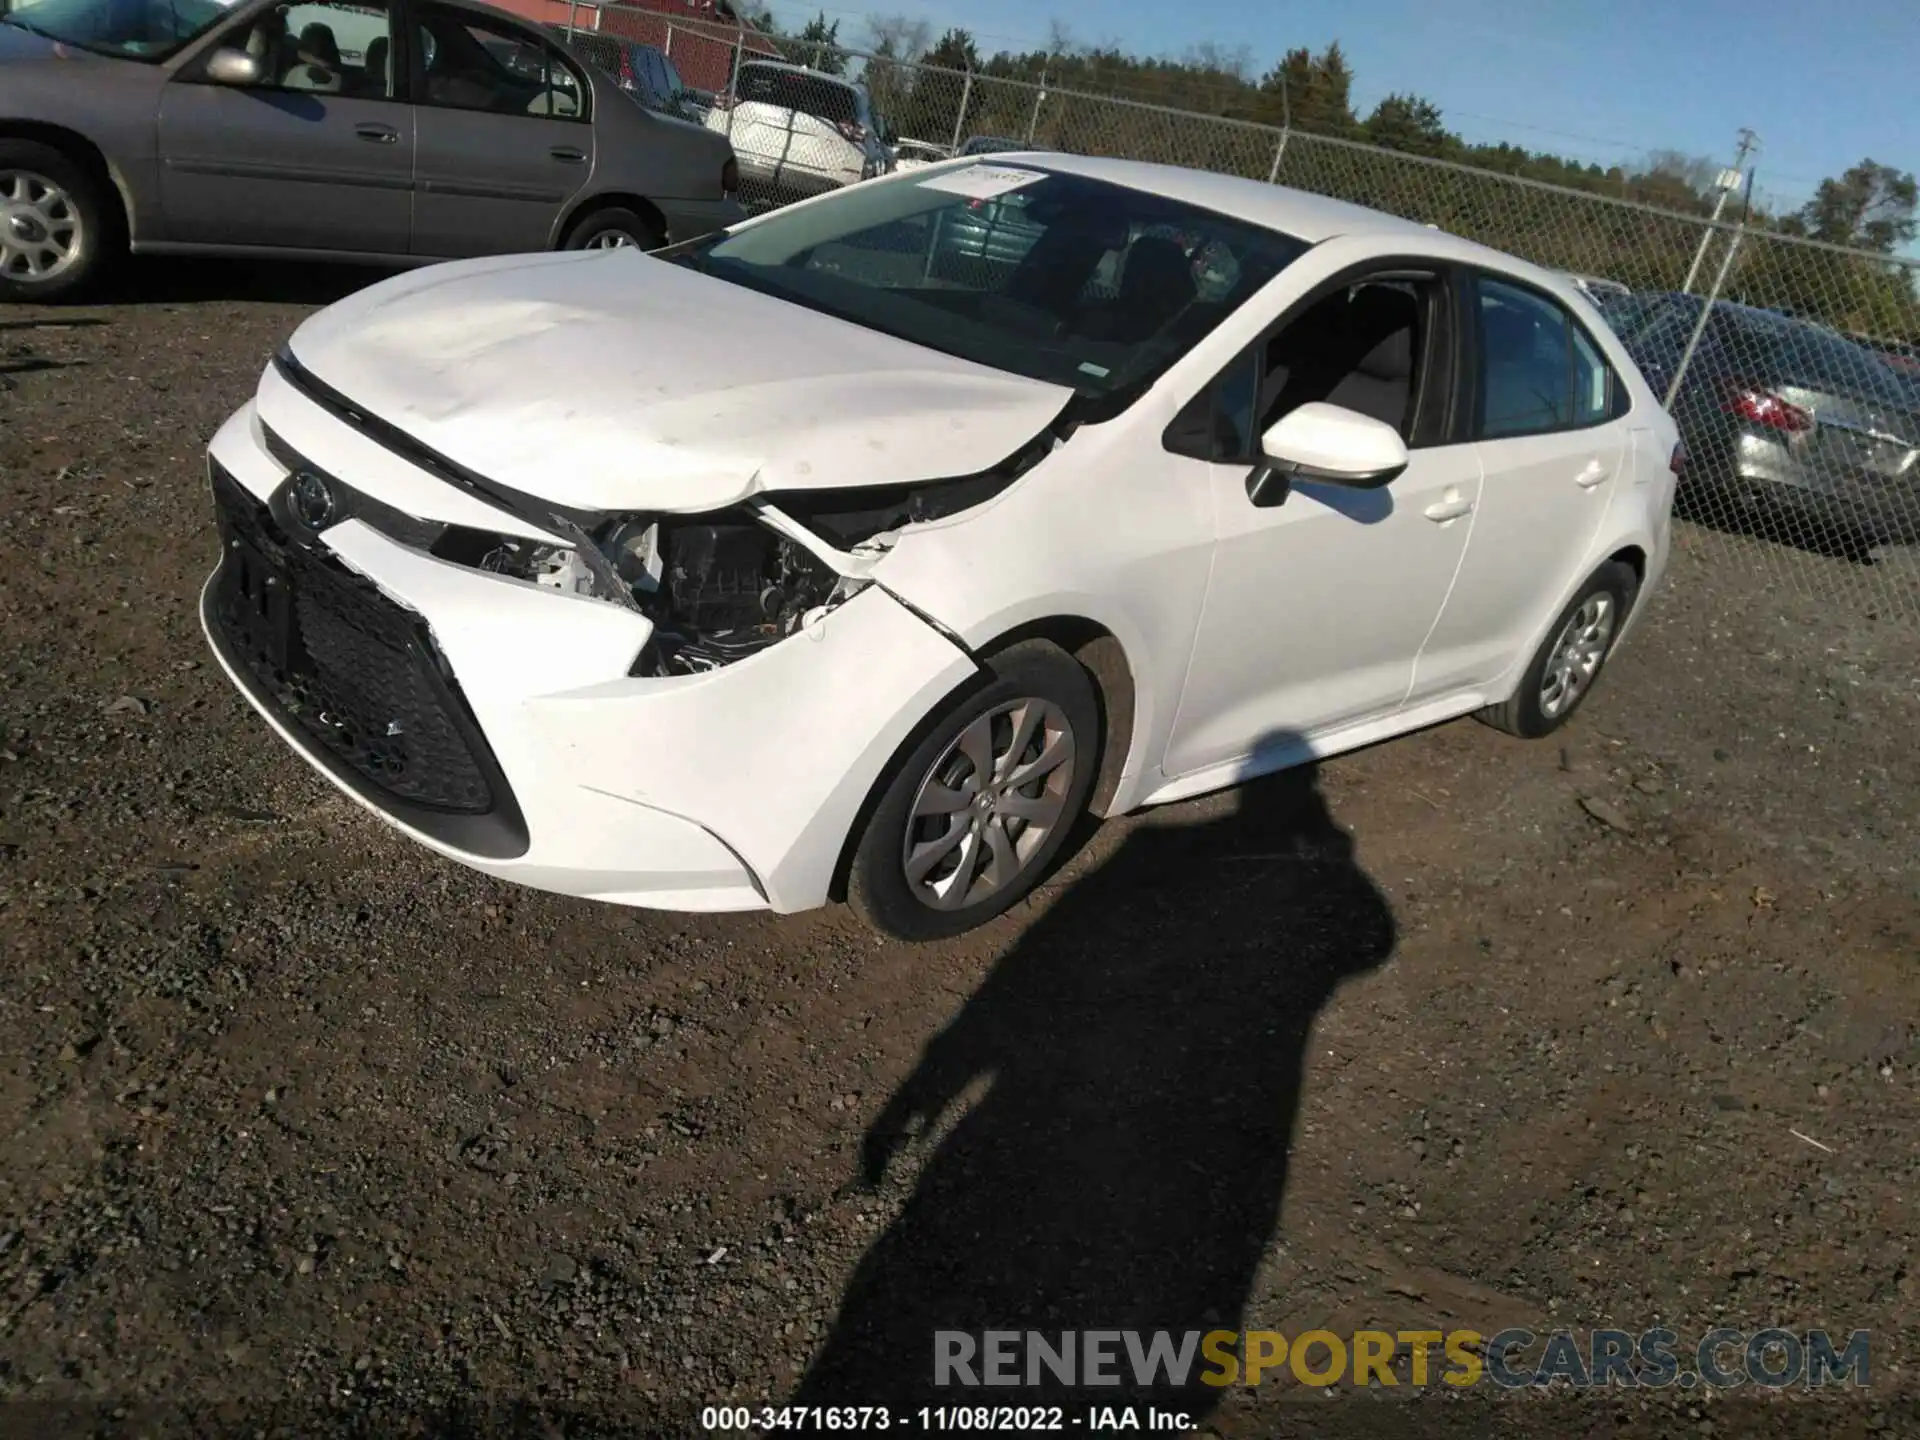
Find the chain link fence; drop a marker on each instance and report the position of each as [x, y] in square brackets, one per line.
[1792, 371]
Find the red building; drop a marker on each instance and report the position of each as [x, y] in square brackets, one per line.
[701, 37]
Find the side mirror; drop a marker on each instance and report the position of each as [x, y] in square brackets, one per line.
[227, 66]
[1329, 444]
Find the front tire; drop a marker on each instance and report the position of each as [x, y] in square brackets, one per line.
[972, 816]
[56, 230]
[1567, 666]
[614, 229]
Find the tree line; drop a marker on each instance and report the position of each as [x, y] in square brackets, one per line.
[1101, 100]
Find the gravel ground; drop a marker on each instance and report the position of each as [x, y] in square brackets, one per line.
[305, 1130]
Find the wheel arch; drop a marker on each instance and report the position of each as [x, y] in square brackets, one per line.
[1104, 658]
[1634, 557]
[85, 153]
[589, 205]
[1099, 652]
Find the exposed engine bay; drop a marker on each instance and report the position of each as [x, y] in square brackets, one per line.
[720, 586]
[716, 587]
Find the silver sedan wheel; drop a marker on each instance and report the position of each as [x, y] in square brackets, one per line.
[612, 240]
[1577, 655]
[986, 807]
[41, 233]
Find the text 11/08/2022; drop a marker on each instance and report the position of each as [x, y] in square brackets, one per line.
[978, 1419]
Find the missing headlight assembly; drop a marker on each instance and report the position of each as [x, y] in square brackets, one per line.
[719, 587]
[716, 587]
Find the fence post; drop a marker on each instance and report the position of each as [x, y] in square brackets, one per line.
[1706, 312]
[1039, 98]
[733, 80]
[667, 49]
[1279, 154]
[960, 116]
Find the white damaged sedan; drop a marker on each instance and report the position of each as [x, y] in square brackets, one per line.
[859, 551]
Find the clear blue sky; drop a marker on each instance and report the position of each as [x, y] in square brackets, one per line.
[1823, 85]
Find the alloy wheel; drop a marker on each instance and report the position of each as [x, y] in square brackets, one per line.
[1577, 655]
[985, 809]
[612, 240]
[42, 235]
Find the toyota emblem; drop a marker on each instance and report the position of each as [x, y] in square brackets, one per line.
[311, 500]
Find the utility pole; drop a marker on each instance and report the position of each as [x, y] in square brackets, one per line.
[1726, 184]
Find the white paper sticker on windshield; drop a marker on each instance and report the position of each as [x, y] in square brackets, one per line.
[982, 182]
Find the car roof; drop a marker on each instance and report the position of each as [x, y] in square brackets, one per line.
[1299, 213]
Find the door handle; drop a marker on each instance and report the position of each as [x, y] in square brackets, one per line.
[568, 155]
[1452, 508]
[1591, 476]
[378, 134]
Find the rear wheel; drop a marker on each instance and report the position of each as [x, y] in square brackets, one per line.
[1567, 666]
[55, 227]
[971, 818]
[614, 229]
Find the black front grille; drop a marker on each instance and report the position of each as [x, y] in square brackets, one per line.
[352, 671]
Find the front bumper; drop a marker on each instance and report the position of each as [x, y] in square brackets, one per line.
[735, 789]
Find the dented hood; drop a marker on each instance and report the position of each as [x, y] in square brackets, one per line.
[608, 380]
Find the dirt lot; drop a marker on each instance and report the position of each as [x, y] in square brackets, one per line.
[304, 1129]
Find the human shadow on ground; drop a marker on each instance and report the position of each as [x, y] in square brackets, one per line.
[1141, 1049]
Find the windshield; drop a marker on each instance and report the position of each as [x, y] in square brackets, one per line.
[1054, 276]
[132, 29]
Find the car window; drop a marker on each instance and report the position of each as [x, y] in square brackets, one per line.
[129, 29]
[1065, 278]
[475, 63]
[1593, 381]
[331, 48]
[675, 85]
[1378, 345]
[657, 78]
[596, 50]
[1530, 371]
[810, 94]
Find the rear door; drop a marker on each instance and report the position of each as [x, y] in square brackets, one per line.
[1552, 450]
[504, 134]
[318, 156]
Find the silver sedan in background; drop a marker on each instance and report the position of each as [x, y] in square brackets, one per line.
[390, 131]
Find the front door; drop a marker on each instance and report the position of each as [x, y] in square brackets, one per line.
[317, 156]
[1317, 607]
[505, 135]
